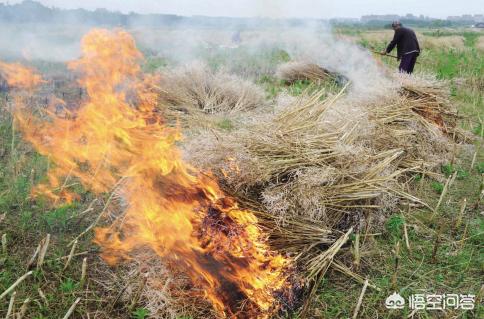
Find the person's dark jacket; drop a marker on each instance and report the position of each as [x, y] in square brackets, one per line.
[405, 40]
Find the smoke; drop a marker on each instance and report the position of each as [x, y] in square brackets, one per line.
[306, 40]
[54, 43]
[315, 42]
[242, 46]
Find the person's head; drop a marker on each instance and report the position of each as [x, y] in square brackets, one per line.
[396, 25]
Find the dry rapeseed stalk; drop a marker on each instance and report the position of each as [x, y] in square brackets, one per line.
[293, 71]
[328, 163]
[71, 309]
[71, 254]
[15, 284]
[43, 251]
[23, 309]
[4, 244]
[302, 167]
[167, 292]
[196, 88]
[10, 304]
[430, 100]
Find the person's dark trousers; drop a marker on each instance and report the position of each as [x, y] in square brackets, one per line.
[408, 62]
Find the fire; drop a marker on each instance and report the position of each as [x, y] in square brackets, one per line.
[19, 76]
[117, 141]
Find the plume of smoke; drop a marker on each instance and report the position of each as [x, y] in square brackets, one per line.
[304, 39]
[54, 43]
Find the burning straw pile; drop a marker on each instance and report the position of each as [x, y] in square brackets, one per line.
[308, 174]
[323, 166]
[116, 142]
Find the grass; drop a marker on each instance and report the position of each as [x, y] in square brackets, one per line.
[140, 313]
[25, 223]
[225, 124]
[456, 267]
[244, 61]
[443, 257]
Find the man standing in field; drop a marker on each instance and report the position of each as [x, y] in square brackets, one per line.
[407, 45]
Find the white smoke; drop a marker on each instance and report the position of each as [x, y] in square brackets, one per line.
[309, 40]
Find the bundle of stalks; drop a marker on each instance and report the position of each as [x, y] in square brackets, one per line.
[318, 168]
[293, 71]
[295, 236]
[314, 160]
[430, 99]
[399, 126]
[148, 282]
[303, 168]
[419, 120]
[197, 89]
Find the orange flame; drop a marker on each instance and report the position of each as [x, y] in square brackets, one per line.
[117, 140]
[19, 76]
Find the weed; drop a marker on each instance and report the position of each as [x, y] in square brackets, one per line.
[225, 124]
[25, 220]
[365, 43]
[68, 285]
[462, 173]
[140, 313]
[394, 226]
[57, 219]
[450, 169]
[447, 169]
[438, 187]
[478, 129]
[480, 168]
[470, 39]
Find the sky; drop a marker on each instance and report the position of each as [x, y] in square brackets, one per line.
[279, 8]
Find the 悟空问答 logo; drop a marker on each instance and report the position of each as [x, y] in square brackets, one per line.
[395, 301]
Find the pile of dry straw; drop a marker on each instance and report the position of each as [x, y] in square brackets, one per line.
[316, 167]
[293, 71]
[333, 159]
[195, 90]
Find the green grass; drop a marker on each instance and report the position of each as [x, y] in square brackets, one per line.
[225, 124]
[140, 313]
[245, 61]
[470, 38]
[26, 222]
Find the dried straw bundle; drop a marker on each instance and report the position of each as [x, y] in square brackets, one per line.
[301, 168]
[305, 161]
[397, 125]
[431, 102]
[197, 88]
[166, 292]
[291, 72]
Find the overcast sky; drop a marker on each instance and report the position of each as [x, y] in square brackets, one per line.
[280, 8]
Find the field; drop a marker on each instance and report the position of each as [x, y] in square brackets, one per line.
[410, 249]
